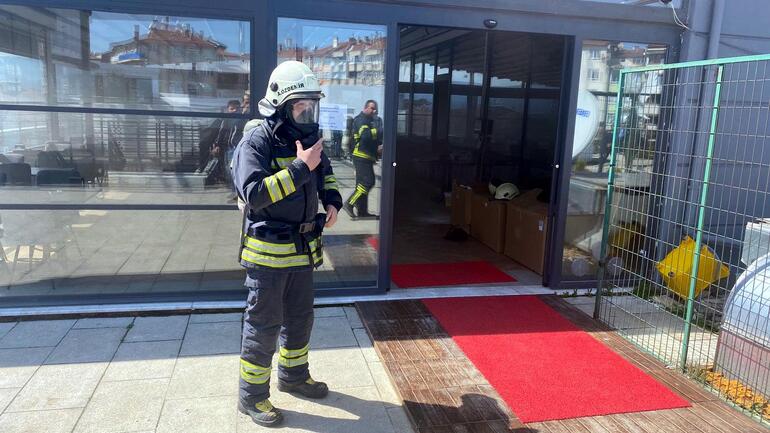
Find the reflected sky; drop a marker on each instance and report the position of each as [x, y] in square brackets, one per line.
[321, 34]
[110, 27]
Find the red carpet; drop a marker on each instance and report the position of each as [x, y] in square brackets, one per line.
[543, 366]
[373, 242]
[447, 274]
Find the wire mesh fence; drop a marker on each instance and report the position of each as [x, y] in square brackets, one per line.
[686, 248]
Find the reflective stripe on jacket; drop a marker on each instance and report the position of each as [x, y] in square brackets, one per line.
[282, 193]
[367, 133]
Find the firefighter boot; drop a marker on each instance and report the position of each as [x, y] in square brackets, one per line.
[348, 208]
[309, 388]
[262, 413]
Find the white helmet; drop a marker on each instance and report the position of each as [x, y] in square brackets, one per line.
[506, 191]
[289, 80]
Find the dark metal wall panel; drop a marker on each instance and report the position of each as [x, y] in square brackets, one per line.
[571, 8]
[637, 30]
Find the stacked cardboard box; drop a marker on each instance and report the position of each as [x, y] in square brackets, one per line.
[461, 206]
[526, 231]
[488, 220]
[517, 228]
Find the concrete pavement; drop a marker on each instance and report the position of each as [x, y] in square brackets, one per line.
[180, 374]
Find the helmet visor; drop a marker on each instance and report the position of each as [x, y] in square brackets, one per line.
[304, 111]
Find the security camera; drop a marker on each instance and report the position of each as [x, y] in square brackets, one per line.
[665, 2]
[490, 23]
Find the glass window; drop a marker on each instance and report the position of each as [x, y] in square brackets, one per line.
[444, 60]
[506, 117]
[116, 60]
[78, 158]
[468, 60]
[428, 61]
[404, 108]
[458, 119]
[349, 60]
[511, 54]
[592, 143]
[422, 114]
[405, 70]
[111, 252]
[547, 62]
[418, 71]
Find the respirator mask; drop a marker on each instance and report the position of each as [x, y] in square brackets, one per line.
[300, 121]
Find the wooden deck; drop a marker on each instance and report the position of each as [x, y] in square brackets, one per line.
[443, 392]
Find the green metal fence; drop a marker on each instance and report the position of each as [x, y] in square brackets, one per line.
[685, 269]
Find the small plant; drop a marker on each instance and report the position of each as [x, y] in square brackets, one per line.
[737, 392]
[644, 290]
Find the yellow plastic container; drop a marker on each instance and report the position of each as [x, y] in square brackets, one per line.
[676, 268]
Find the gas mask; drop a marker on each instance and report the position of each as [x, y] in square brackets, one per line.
[300, 121]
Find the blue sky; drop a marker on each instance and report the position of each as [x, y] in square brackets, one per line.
[320, 33]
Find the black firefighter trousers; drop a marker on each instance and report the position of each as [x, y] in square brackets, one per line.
[278, 304]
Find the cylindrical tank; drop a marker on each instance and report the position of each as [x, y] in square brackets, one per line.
[743, 351]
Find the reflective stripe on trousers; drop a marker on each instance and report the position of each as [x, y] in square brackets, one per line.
[280, 304]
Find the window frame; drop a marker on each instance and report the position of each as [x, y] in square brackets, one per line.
[249, 17]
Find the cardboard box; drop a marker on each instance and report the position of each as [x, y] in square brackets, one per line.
[461, 206]
[488, 220]
[527, 231]
[461, 202]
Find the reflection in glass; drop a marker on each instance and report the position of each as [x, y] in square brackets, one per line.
[428, 60]
[150, 158]
[512, 54]
[115, 60]
[506, 115]
[349, 61]
[468, 60]
[600, 65]
[100, 252]
[404, 108]
[405, 70]
[422, 114]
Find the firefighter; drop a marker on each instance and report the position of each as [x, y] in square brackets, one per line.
[367, 138]
[281, 173]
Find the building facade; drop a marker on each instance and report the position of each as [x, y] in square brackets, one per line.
[107, 108]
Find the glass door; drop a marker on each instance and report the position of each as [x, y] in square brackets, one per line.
[349, 61]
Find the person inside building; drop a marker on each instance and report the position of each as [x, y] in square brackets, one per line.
[281, 173]
[246, 104]
[367, 142]
[217, 143]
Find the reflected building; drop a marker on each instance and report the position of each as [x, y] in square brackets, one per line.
[355, 61]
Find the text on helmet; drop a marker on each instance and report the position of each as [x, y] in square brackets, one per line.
[290, 88]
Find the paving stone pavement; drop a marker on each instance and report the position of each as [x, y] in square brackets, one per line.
[180, 374]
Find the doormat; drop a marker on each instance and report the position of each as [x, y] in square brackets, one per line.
[542, 365]
[447, 274]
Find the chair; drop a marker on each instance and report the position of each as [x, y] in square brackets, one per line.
[58, 176]
[51, 159]
[17, 173]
